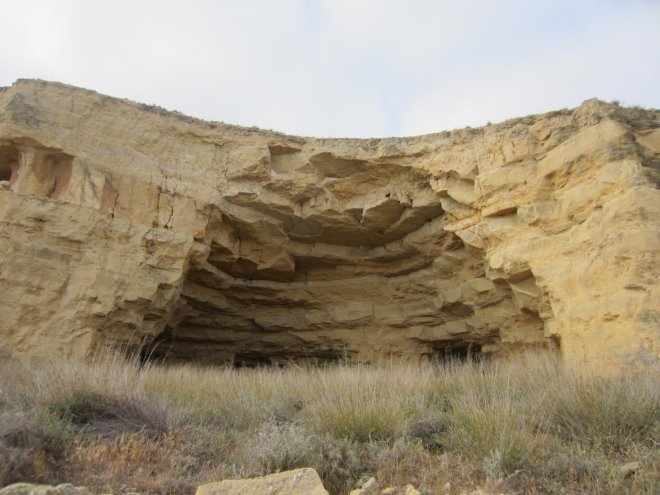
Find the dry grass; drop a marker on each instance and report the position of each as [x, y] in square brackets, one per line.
[528, 425]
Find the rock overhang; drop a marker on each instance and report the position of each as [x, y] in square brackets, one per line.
[127, 224]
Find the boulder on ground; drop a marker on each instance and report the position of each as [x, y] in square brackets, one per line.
[297, 482]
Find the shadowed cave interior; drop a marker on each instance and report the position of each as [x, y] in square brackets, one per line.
[376, 275]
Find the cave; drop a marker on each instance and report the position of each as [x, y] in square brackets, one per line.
[379, 278]
[315, 279]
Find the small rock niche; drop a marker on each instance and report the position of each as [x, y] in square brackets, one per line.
[35, 170]
[8, 165]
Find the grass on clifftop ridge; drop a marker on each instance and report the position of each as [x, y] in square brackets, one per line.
[529, 425]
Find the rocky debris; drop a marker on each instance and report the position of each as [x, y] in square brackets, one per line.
[121, 225]
[370, 487]
[303, 481]
[30, 489]
[410, 490]
[297, 482]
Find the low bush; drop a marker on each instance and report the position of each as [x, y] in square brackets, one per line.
[99, 414]
[279, 446]
[32, 444]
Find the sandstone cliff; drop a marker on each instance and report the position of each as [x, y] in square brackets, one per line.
[122, 223]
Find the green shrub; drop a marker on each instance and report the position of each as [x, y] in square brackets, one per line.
[428, 430]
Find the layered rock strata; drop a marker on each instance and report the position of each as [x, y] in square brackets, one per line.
[124, 224]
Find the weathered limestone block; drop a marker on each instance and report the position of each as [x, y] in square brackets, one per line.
[296, 482]
[123, 224]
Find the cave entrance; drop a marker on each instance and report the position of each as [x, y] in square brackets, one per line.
[253, 360]
[281, 359]
[171, 347]
[461, 351]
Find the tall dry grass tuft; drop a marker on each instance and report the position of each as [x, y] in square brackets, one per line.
[610, 413]
[364, 403]
[105, 395]
[530, 424]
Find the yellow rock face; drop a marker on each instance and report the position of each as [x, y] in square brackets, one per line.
[123, 224]
[297, 482]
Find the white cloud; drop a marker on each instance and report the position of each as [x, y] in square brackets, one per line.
[611, 59]
[341, 67]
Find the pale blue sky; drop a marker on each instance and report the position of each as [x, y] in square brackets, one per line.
[342, 67]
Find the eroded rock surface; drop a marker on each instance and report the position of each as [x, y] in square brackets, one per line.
[303, 481]
[125, 224]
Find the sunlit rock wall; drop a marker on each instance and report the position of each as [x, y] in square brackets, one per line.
[123, 224]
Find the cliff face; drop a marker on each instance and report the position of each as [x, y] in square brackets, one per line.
[125, 224]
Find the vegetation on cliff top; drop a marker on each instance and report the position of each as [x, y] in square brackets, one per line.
[529, 425]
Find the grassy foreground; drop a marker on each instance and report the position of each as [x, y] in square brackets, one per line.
[528, 426]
